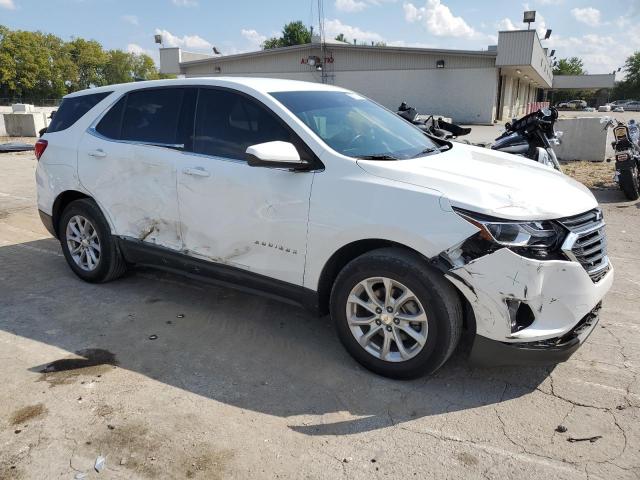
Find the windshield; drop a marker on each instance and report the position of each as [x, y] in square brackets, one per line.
[357, 127]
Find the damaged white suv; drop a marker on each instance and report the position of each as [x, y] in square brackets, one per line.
[316, 194]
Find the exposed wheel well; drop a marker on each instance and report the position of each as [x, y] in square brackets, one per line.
[340, 258]
[61, 202]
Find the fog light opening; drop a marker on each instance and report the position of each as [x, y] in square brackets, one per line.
[520, 315]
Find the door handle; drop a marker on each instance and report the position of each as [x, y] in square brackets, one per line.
[99, 153]
[196, 172]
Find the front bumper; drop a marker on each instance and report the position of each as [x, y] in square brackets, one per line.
[486, 352]
[559, 294]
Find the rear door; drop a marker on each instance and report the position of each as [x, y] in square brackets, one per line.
[248, 217]
[128, 163]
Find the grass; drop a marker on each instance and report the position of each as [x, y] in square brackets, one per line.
[597, 175]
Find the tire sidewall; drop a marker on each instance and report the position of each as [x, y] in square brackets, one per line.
[91, 212]
[435, 351]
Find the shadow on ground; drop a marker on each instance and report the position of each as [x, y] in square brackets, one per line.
[231, 347]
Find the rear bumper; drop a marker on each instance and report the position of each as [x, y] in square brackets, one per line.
[47, 221]
[487, 352]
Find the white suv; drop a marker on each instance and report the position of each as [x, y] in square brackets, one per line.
[316, 194]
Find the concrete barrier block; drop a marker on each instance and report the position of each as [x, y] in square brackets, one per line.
[582, 139]
[22, 108]
[24, 124]
[3, 130]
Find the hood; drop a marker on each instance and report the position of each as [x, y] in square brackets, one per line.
[490, 182]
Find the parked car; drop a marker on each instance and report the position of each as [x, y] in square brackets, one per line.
[317, 195]
[618, 109]
[573, 104]
[604, 108]
[632, 106]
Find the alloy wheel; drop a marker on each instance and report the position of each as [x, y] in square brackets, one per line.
[387, 319]
[83, 243]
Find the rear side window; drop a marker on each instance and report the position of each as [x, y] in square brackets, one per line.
[227, 123]
[111, 123]
[74, 108]
[152, 115]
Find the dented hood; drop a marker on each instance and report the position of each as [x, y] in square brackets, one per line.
[494, 183]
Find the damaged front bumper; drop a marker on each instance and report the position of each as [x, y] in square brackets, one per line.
[487, 352]
[560, 298]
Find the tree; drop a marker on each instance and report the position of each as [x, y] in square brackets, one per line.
[293, 33]
[36, 65]
[90, 60]
[569, 66]
[341, 38]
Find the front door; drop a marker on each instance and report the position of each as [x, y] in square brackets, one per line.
[248, 217]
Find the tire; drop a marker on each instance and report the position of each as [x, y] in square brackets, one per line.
[110, 264]
[436, 298]
[628, 180]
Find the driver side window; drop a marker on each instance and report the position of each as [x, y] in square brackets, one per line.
[227, 123]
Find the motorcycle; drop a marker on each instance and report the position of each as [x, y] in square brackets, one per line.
[626, 145]
[436, 127]
[532, 136]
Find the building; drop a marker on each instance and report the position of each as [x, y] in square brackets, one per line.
[504, 81]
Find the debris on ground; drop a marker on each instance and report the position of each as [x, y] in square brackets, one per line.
[180, 315]
[585, 439]
[80, 476]
[561, 429]
[153, 337]
[99, 465]
[15, 147]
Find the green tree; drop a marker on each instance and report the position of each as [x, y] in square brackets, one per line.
[36, 65]
[341, 38]
[293, 33]
[90, 60]
[569, 66]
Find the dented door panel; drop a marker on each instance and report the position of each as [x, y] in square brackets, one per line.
[247, 217]
[136, 188]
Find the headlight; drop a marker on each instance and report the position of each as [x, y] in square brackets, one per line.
[536, 234]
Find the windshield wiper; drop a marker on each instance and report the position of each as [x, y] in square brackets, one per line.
[380, 156]
[426, 151]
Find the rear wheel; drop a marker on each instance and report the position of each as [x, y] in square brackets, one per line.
[87, 244]
[395, 314]
[629, 183]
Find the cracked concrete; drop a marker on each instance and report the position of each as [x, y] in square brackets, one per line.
[236, 386]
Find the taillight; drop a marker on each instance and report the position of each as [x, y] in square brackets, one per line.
[40, 147]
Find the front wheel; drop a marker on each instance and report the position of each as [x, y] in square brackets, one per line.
[395, 314]
[629, 184]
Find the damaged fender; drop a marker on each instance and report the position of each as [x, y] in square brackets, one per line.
[558, 292]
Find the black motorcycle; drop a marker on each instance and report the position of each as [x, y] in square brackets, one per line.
[532, 136]
[627, 150]
[436, 127]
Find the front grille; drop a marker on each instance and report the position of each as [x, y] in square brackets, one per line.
[586, 242]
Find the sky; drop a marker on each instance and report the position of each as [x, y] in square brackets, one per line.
[602, 32]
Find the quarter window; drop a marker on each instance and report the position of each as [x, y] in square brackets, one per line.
[227, 123]
[73, 109]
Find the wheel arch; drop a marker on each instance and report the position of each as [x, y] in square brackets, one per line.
[344, 255]
[60, 203]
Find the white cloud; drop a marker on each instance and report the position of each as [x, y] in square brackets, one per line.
[350, 5]
[135, 48]
[254, 38]
[438, 19]
[588, 15]
[506, 24]
[8, 4]
[335, 26]
[185, 3]
[187, 41]
[132, 19]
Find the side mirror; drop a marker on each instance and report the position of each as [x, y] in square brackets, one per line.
[275, 155]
